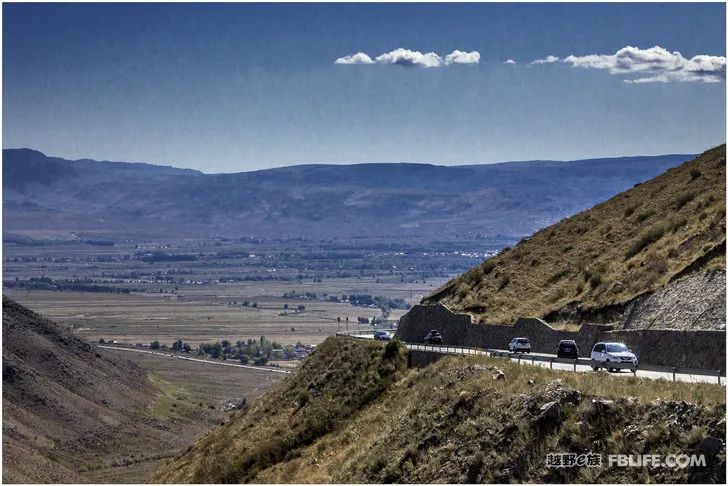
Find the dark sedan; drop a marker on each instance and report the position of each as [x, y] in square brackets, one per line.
[433, 337]
[567, 349]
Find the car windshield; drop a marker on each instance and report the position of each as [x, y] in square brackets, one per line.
[567, 345]
[616, 348]
[522, 341]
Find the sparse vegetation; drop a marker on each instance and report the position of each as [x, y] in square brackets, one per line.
[642, 217]
[612, 242]
[342, 376]
[684, 199]
[450, 422]
[645, 239]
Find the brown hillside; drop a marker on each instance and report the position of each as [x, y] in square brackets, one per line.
[630, 245]
[69, 410]
[354, 413]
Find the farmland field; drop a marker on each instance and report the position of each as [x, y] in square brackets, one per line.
[211, 290]
[210, 313]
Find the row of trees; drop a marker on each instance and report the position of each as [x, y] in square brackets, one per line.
[257, 351]
[245, 303]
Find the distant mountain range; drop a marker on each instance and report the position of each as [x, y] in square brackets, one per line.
[52, 197]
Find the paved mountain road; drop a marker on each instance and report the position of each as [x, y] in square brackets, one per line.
[582, 365]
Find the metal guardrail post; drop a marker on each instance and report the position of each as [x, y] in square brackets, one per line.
[634, 371]
[575, 364]
[719, 377]
[674, 371]
[519, 359]
[551, 363]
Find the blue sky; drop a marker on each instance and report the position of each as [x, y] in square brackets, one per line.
[233, 87]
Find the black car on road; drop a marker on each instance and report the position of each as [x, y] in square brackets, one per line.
[567, 349]
[433, 337]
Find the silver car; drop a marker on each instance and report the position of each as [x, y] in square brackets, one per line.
[519, 345]
[605, 353]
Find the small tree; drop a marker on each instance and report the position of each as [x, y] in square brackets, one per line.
[186, 348]
[154, 345]
[216, 350]
[285, 306]
[244, 359]
[101, 341]
[301, 307]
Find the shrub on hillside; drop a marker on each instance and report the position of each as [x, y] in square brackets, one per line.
[645, 239]
[644, 216]
[684, 199]
[558, 275]
[392, 349]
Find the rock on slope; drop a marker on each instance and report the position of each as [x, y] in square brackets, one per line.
[355, 413]
[593, 265]
[67, 408]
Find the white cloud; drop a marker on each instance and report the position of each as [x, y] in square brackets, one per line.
[358, 58]
[653, 65]
[461, 57]
[546, 60]
[405, 57]
[408, 58]
[509, 61]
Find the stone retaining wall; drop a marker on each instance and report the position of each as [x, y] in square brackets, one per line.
[421, 359]
[692, 349]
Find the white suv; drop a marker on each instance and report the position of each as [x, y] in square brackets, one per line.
[519, 345]
[606, 353]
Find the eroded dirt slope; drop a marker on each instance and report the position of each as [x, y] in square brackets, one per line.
[69, 410]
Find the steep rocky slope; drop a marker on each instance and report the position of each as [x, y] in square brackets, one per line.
[68, 409]
[593, 265]
[355, 413]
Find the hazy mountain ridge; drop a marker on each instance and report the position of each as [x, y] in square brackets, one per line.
[122, 199]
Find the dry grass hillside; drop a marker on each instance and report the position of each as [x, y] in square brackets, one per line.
[70, 411]
[356, 414]
[632, 244]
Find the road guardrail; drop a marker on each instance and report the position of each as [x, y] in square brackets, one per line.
[497, 353]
